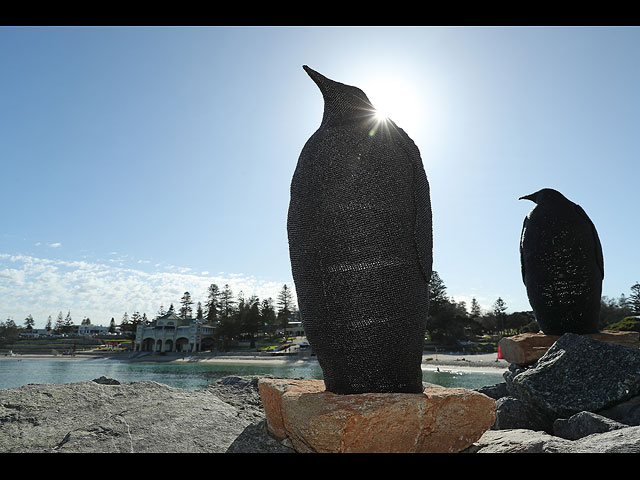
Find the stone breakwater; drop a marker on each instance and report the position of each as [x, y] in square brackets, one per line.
[581, 396]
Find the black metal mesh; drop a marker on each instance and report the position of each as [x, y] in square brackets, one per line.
[360, 243]
[562, 264]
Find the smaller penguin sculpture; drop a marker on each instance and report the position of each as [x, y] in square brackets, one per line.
[562, 264]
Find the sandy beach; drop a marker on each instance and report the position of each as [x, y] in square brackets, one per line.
[445, 362]
[454, 362]
[442, 361]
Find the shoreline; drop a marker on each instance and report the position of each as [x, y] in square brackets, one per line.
[444, 362]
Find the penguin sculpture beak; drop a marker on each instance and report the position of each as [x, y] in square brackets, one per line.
[531, 197]
[319, 79]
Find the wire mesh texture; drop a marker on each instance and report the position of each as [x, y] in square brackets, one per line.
[562, 264]
[360, 241]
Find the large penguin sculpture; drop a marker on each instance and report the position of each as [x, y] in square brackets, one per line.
[562, 264]
[360, 243]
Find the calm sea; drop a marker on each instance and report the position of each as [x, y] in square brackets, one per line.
[17, 372]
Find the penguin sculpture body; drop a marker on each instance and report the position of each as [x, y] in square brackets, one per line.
[562, 264]
[360, 243]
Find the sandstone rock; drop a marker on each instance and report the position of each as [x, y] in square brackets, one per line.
[584, 423]
[314, 420]
[526, 348]
[579, 373]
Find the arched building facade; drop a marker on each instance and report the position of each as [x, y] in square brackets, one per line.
[170, 333]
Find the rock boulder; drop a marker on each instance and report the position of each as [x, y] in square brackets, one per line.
[314, 420]
[579, 373]
[107, 416]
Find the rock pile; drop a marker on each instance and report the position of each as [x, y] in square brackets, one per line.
[581, 395]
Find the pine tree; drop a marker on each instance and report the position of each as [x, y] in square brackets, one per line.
[623, 302]
[213, 303]
[68, 323]
[438, 299]
[284, 308]
[48, 326]
[475, 308]
[186, 310]
[59, 327]
[112, 325]
[199, 313]
[461, 307]
[634, 298]
[9, 331]
[125, 325]
[268, 314]
[136, 319]
[252, 318]
[226, 302]
[499, 309]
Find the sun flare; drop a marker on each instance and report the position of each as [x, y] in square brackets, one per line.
[380, 116]
[394, 99]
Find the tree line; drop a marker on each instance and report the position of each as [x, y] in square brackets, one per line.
[448, 322]
[233, 316]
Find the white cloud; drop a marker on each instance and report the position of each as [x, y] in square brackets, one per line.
[42, 287]
[55, 245]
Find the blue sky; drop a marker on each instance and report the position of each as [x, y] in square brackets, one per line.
[142, 162]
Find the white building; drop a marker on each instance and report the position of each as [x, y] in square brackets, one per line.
[92, 330]
[295, 329]
[32, 333]
[170, 333]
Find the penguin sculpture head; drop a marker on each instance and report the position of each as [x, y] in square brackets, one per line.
[545, 195]
[342, 103]
[562, 264]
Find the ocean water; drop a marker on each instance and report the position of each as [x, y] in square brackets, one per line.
[15, 372]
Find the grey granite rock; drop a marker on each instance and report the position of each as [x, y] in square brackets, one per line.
[627, 412]
[519, 441]
[106, 380]
[582, 424]
[141, 417]
[496, 391]
[512, 413]
[578, 373]
[625, 440]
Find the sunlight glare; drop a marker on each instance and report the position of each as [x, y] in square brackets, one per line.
[394, 99]
[380, 115]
